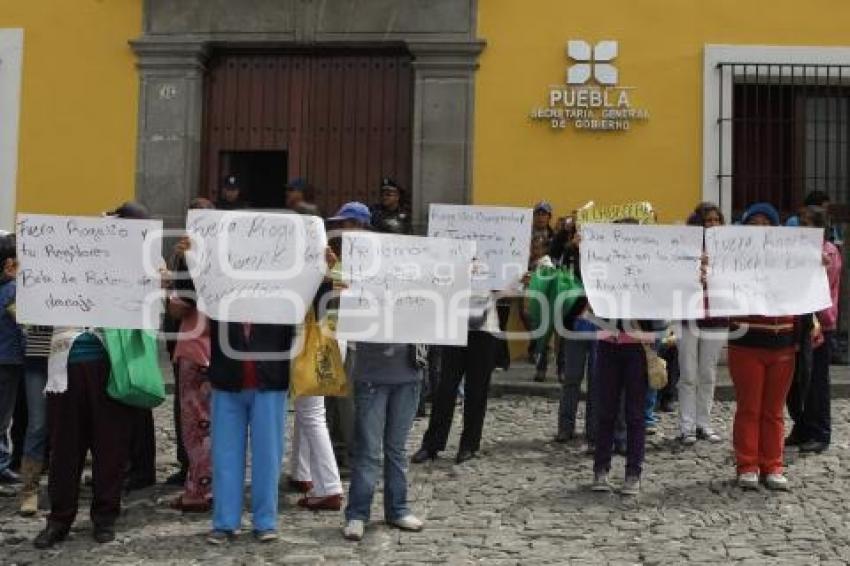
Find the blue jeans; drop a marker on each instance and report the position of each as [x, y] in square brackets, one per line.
[578, 357]
[233, 415]
[649, 407]
[383, 416]
[10, 377]
[35, 440]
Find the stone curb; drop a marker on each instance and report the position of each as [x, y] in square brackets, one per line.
[520, 381]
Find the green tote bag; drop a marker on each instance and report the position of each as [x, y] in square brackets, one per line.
[136, 378]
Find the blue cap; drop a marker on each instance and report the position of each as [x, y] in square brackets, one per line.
[762, 208]
[543, 206]
[356, 211]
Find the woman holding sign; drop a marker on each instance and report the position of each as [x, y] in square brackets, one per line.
[761, 362]
[700, 344]
[81, 416]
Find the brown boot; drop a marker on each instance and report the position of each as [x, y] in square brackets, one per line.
[30, 474]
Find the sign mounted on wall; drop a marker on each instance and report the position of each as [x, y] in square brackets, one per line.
[592, 98]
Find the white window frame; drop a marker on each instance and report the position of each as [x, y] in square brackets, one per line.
[11, 61]
[715, 55]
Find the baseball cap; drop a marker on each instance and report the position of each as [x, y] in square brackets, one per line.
[356, 211]
[231, 182]
[543, 206]
[131, 210]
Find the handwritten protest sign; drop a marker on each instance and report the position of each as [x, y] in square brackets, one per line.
[642, 272]
[78, 271]
[502, 236]
[405, 289]
[640, 211]
[762, 270]
[256, 267]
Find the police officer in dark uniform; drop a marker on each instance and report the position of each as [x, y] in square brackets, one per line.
[231, 195]
[389, 216]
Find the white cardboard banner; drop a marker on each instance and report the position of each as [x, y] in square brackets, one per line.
[502, 236]
[81, 271]
[766, 270]
[405, 289]
[642, 272]
[256, 267]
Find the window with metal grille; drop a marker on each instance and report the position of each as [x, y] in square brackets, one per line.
[789, 130]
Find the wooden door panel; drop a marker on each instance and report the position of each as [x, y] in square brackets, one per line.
[343, 117]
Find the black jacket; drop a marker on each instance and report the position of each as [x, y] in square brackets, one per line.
[267, 340]
[391, 222]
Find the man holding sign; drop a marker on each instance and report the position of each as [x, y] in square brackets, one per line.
[502, 237]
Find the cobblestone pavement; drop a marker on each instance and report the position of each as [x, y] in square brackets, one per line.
[525, 501]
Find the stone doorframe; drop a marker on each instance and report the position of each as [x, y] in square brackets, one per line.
[180, 36]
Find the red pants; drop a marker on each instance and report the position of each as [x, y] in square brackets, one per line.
[762, 379]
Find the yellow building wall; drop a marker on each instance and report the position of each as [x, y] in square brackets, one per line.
[79, 103]
[661, 42]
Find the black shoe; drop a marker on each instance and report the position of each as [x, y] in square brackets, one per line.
[563, 437]
[51, 534]
[103, 534]
[666, 406]
[135, 484]
[7, 476]
[620, 448]
[794, 439]
[464, 456]
[177, 478]
[813, 447]
[422, 456]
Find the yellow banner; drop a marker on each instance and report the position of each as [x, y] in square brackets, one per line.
[640, 211]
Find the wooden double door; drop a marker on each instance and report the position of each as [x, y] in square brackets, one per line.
[340, 119]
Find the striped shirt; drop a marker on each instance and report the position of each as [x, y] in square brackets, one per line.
[38, 341]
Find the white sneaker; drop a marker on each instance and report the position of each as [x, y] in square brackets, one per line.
[408, 523]
[776, 482]
[354, 529]
[631, 486]
[749, 481]
[601, 483]
[709, 435]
